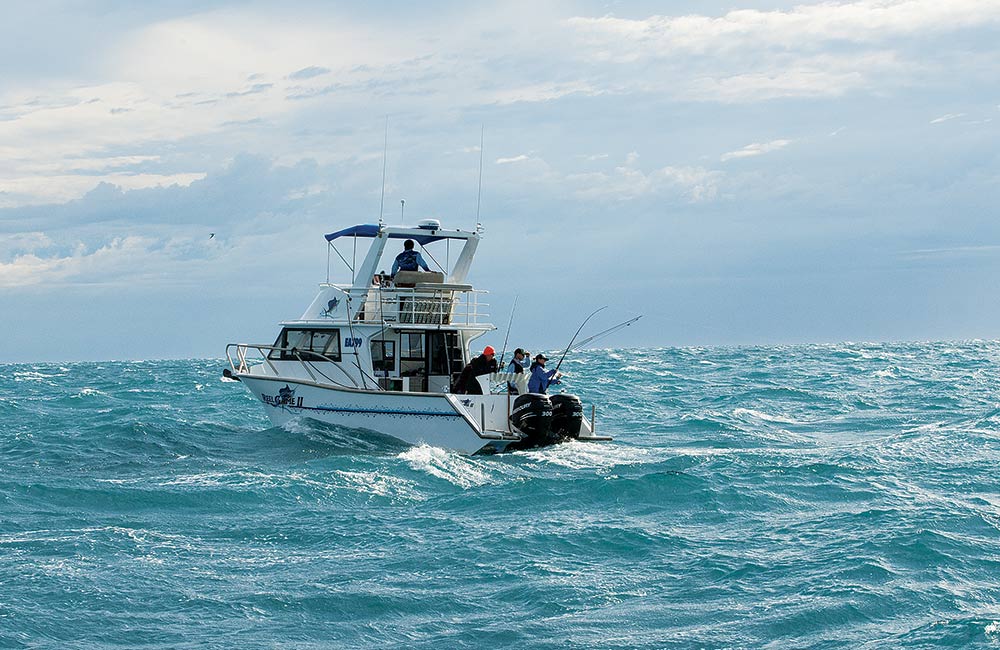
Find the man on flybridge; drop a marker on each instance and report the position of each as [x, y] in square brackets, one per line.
[409, 259]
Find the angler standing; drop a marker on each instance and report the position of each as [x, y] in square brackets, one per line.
[540, 377]
[516, 367]
[484, 364]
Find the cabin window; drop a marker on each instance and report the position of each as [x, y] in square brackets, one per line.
[325, 342]
[412, 345]
[383, 356]
[413, 359]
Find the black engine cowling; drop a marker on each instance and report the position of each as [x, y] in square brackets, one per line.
[567, 415]
[532, 414]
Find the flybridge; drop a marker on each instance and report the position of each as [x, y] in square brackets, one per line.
[427, 232]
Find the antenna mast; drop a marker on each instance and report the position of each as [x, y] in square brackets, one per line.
[385, 149]
[479, 196]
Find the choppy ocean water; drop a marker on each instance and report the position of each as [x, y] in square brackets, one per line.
[834, 496]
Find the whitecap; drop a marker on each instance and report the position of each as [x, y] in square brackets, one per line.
[458, 470]
[745, 413]
[587, 455]
[26, 375]
[379, 484]
[87, 392]
[297, 426]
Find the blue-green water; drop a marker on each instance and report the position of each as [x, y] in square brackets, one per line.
[835, 496]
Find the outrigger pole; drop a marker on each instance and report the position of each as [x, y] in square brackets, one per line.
[568, 347]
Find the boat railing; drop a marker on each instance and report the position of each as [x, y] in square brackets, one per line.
[247, 354]
[424, 305]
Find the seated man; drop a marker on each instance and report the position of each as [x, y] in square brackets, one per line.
[409, 259]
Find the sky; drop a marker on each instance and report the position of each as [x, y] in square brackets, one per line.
[738, 173]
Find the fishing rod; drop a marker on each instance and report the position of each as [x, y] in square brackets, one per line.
[604, 333]
[512, 308]
[576, 335]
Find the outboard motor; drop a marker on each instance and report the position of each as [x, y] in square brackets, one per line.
[567, 415]
[532, 414]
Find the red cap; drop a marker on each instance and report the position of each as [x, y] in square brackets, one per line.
[489, 350]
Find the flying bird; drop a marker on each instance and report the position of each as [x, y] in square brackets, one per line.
[211, 235]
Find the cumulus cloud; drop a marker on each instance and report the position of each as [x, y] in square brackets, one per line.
[118, 258]
[160, 235]
[143, 118]
[23, 243]
[812, 50]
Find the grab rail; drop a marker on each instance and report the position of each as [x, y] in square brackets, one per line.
[243, 367]
[423, 305]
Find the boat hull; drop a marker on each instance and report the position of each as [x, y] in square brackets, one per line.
[433, 419]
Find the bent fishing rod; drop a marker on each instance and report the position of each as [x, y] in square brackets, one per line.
[604, 333]
[576, 335]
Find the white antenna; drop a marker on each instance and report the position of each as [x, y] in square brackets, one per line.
[479, 197]
[385, 149]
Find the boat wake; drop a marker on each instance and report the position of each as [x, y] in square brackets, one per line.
[462, 471]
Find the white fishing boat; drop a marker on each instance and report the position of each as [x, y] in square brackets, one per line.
[382, 353]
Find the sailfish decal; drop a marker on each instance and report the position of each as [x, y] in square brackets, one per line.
[330, 308]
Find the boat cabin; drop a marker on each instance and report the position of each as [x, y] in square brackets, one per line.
[410, 332]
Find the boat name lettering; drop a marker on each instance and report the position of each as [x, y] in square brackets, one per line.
[352, 342]
[285, 397]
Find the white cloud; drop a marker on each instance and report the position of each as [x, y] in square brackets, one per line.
[946, 118]
[694, 184]
[59, 188]
[805, 26]
[755, 149]
[22, 243]
[222, 75]
[812, 50]
[543, 92]
[121, 256]
[514, 159]
[814, 77]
